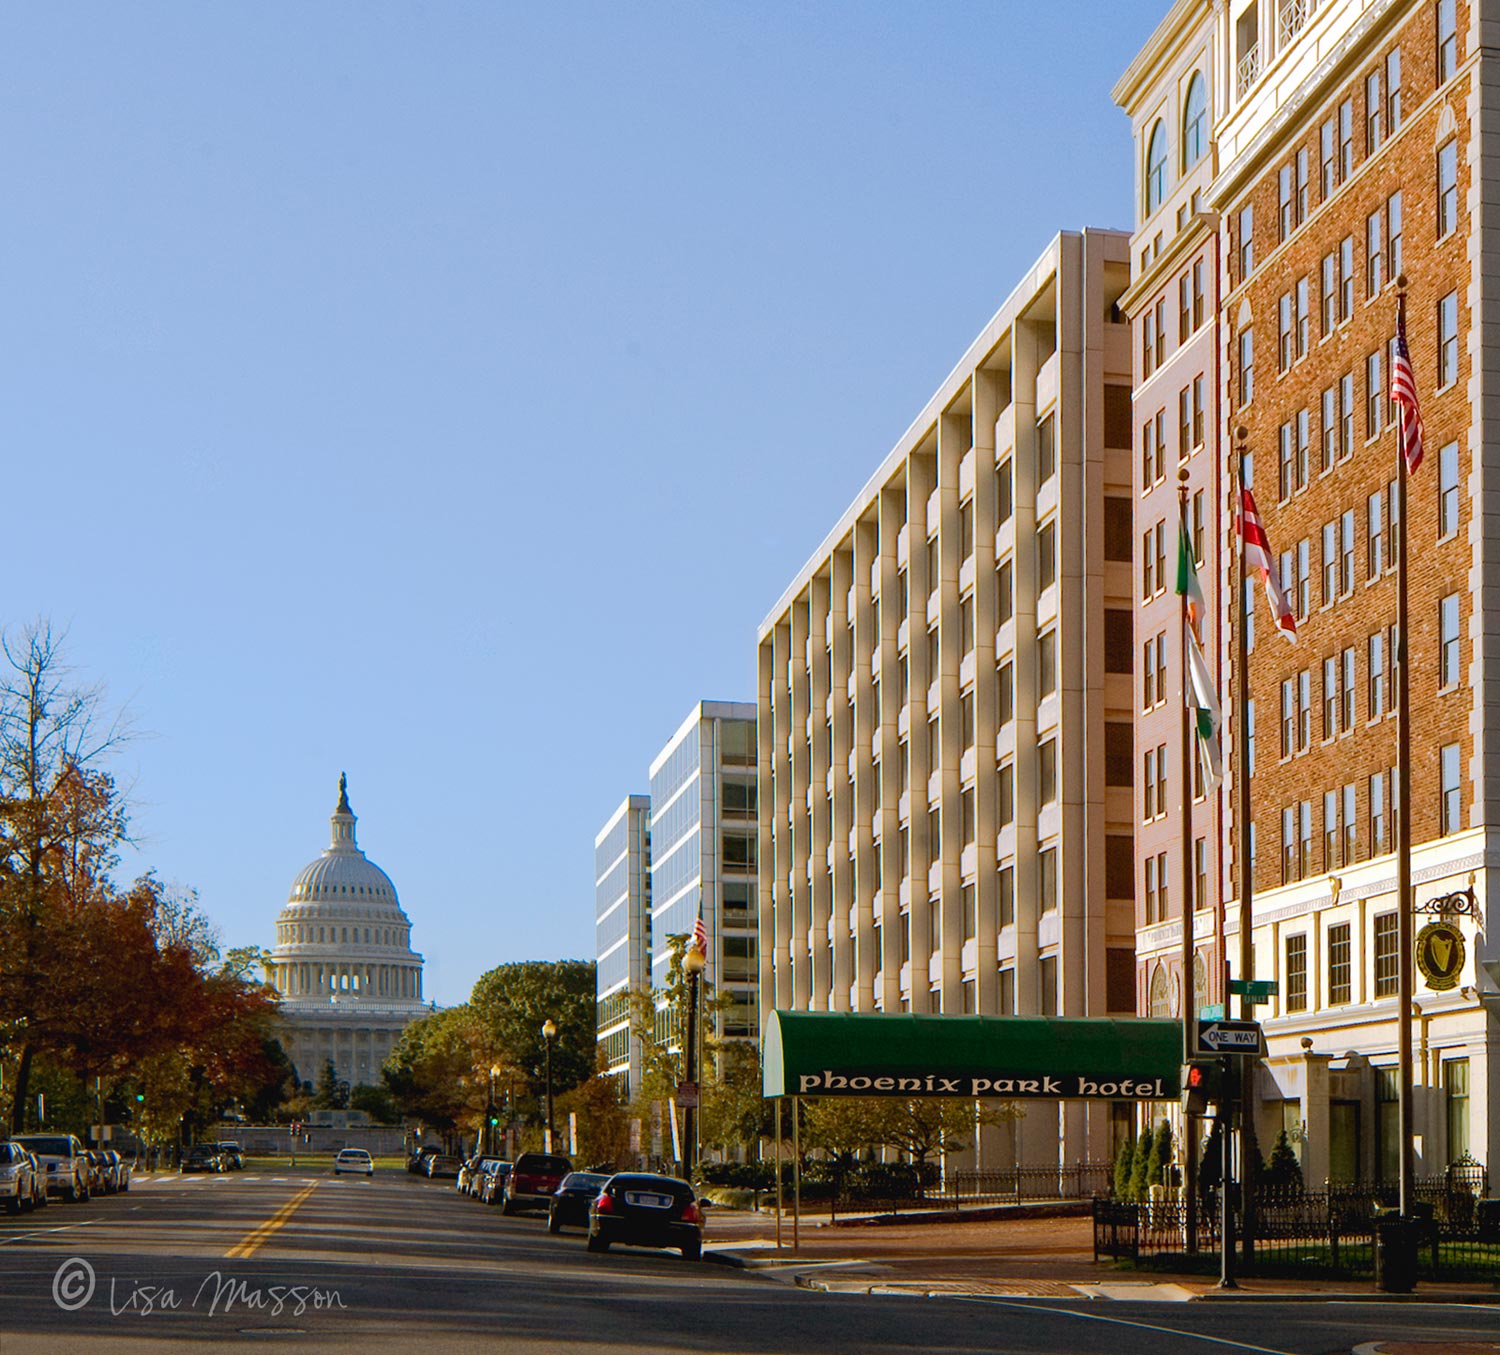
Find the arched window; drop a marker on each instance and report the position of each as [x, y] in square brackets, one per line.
[1156, 167]
[1161, 992]
[1200, 983]
[1194, 124]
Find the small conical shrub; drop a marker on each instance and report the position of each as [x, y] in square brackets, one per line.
[1140, 1168]
[1161, 1156]
[1124, 1164]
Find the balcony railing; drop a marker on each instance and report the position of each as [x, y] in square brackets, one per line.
[1291, 17]
[1247, 72]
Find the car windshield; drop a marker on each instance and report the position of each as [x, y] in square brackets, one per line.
[583, 1181]
[202, 1150]
[49, 1146]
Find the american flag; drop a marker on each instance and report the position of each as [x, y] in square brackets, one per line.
[700, 936]
[1404, 394]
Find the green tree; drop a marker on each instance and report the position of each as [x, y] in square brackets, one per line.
[603, 1126]
[1161, 1156]
[251, 964]
[735, 1114]
[509, 1006]
[1140, 1167]
[376, 1102]
[1124, 1164]
[331, 1093]
[1283, 1171]
[431, 1072]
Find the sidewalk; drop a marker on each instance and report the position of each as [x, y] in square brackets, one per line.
[1024, 1257]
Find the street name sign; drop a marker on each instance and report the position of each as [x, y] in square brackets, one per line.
[1230, 1037]
[1259, 989]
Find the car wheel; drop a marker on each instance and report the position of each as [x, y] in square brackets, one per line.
[692, 1251]
[597, 1243]
[554, 1224]
[507, 1206]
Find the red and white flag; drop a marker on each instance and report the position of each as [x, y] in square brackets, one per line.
[1258, 557]
[700, 936]
[1404, 394]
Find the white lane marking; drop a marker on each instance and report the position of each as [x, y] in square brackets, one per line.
[1126, 1322]
[40, 1232]
[278, 1180]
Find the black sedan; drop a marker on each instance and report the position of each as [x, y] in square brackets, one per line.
[571, 1200]
[642, 1210]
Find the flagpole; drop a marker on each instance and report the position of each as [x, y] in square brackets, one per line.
[1189, 1012]
[1404, 978]
[1247, 1090]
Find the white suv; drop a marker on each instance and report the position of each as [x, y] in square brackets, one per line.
[62, 1159]
[353, 1160]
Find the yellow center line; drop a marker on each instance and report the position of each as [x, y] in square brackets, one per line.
[262, 1233]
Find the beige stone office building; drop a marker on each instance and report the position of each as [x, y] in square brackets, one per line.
[945, 701]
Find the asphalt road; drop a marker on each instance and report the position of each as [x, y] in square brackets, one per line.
[307, 1262]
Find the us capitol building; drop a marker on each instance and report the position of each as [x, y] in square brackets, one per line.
[343, 963]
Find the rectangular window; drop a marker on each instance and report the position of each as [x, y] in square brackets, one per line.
[967, 809]
[1393, 234]
[1347, 679]
[1047, 982]
[1288, 844]
[1375, 797]
[1160, 310]
[1284, 333]
[1148, 674]
[1046, 450]
[1452, 802]
[1046, 556]
[1200, 873]
[1374, 113]
[1248, 615]
[1448, 654]
[1286, 481]
[1447, 187]
[1046, 877]
[1332, 836]
[1304, 578]
[1184, 306]
[1302, 318]
[1340, 965]
[1046, 772]
[1296, 973]
[1447, 39]
[1304, 710]
[966, 716]
[1247, 241]
[1153, 911]
[1250, 732]
[1008, 992]
[1007, 895]
[1184, 422]
[1284, 201]
[1374, 395]
[1300, 202]
[1330, 305]
[1456, 1095]
[1198, 293]
[1330, 562]
[1392, 526]
[1330, 696]
[1346, 139]
[1448, 490]
[1288, 717]
[1327, 160]
[1006, 700]
[1004, 493]
[1247, 366]
[1393, 91]
[1346, 278]
[1385, 955]
[1374, 251]
[1117, 529]
[1199, 403]
[1346, 414]
[1046, 664]
[1007, 795]
[1351, 824]
[966, 528]
[1375, 676]
[1346, 553]
[971, 911]
[966, 624]
[1148, 565]
[1448, 340]
[1119, 753]
[1198, 515]
[1374, 534]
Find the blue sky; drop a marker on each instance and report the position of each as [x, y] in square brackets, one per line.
[444, 392]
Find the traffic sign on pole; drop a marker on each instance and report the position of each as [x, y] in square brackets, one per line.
[1231, 1037]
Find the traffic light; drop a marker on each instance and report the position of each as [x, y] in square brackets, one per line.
[140, 1096]
[1202, 1085]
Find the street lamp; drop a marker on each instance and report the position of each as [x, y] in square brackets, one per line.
[693, 961]
[549, 1033]
[489, 1110]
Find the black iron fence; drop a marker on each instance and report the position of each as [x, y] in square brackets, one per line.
[1014, 1185]
[1331, 1231]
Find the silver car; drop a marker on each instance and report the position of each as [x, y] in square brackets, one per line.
[64, 1161]
[19, 1178]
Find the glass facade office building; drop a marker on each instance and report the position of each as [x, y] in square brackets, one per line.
[622, 930]
[703, 798]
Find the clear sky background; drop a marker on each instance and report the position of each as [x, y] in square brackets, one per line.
[444, 392]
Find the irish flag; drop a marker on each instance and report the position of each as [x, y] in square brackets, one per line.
[1202, 699]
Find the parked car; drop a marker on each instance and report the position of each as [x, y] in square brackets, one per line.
[642, 1210]
[468, 1169]
[417, 1161]
[102, 1179]
[124, 1169]
[533, 1180]
[63, 1161]
[442, 1164]
[203, 1157]
[471, 1174]
[492, 1180]
[571, 1200]
[353, 1160]
[234, 1158]
[18, 1178]
[39, 1182]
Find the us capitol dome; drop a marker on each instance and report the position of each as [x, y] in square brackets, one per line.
[343, 963]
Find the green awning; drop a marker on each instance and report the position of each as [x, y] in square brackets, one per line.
[1004, 1057]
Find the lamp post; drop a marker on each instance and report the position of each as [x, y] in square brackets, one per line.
[549, 1033]
[693, 962]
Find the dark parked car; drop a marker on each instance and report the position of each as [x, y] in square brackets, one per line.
[417, 1162]
[641, 1210]
[570, 1203]
[492, 1180]
[533, 1180]
[203, 1157]
[443, 1164]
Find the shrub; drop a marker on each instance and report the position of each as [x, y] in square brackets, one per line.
[1124, 1163]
